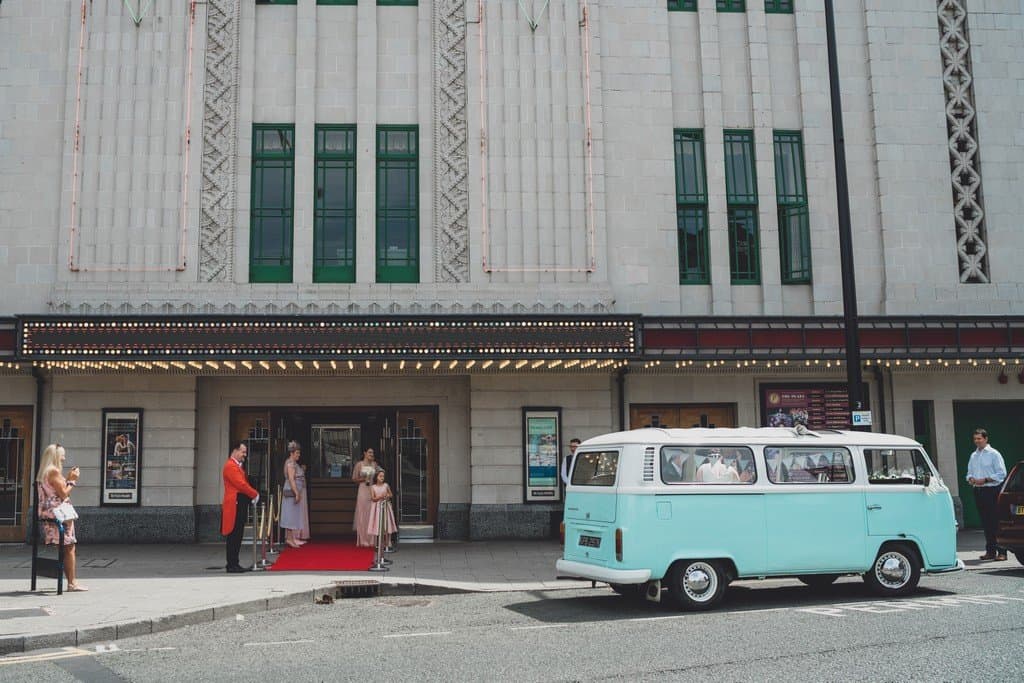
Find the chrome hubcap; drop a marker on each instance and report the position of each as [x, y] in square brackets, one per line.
[700, 581]
[892, 570]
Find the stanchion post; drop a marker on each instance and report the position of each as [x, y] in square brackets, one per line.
[389, 548]
[255, 531]
[379, 563]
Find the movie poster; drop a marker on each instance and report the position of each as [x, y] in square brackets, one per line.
[818, 406]
[122, 446]
[542, 445]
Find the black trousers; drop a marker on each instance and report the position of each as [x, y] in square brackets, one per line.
[234, 539]
[985, 498]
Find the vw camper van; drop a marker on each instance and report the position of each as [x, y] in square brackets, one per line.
[689, 510]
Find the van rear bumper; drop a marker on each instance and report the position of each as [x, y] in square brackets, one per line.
[958, 567]
[594, 573]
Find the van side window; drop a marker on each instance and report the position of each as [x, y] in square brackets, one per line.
[802, 465]
[595, 469]
[707, 465]
[895, 466]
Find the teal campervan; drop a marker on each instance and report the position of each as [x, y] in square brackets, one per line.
[687, 511]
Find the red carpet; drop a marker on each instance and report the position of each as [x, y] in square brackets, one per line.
[322, 556]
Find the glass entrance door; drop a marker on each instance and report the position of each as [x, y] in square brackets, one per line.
[15, 472]
[415, 483]
[334, 450]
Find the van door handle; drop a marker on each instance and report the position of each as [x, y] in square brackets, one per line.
[874, 507]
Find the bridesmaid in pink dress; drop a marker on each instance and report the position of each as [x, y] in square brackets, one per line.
[380, 491]
[363, 473]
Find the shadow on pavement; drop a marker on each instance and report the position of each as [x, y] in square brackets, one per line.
[608, 606]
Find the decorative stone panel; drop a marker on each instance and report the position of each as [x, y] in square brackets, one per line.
[962, 126]
[220, 116]
[451, 192]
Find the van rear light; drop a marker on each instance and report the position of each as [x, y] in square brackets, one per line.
[561, 533]
[618, 545]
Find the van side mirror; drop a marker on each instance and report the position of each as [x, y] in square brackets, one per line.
[926, 479]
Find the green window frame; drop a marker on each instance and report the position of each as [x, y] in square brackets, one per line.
[336, 2]
[778, 6]
[334, 204]
[682, 5]
[792, 202]
[692, 206]
[731, 5]
[272, 203]
[276, 2]
[397, 3]
[741, 202]
[398, 233]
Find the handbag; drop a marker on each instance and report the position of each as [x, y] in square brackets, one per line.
[287, 491]
[65, 512]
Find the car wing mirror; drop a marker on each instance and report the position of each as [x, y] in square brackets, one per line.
[926, 480]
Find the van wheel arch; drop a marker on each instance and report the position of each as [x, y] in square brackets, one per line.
[896, 569]
[712, 575]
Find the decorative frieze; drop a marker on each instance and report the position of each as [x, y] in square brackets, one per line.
[451, 191]
[220, 116]
[962, 126]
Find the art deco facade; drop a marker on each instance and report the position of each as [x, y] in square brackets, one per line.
[408, 224]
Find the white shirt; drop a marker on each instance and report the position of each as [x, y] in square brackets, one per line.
[566, 467]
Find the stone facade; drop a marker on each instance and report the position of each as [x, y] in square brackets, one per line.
[546, 186]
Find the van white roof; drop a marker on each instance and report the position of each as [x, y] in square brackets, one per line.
[751, 435]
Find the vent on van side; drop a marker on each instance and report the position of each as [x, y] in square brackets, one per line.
[649, 464]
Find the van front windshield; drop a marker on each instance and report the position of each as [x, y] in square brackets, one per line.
[595, 468]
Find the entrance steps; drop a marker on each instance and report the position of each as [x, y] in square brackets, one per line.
[416, 533]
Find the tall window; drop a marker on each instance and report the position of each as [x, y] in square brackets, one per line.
[334, 212]
[691, 207]
[731, 5]
[778, 6]
[398, 241]
[682, 5]
[272, 207]
[791, 197]
[741, 199]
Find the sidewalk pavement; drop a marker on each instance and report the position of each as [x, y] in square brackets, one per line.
[139, 589]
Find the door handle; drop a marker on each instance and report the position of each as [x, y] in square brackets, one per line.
[874, 507]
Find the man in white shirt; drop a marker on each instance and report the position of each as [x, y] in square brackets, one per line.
[567, 460]
[986, 471]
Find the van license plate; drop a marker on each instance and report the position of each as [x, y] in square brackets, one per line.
[590, 541]
[1018, 509]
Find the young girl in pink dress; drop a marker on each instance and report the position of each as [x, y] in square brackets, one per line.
[380, 491]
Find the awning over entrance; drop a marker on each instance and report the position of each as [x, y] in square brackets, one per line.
[188, 338]
[937, 340]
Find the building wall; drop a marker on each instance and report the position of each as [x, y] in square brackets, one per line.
[123, 189]
[496, 436]
[168, 456]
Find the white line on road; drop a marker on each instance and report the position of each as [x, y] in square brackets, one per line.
[534, 628]
[63, 653]
[417, 635]
[279, 642]
[684, 616]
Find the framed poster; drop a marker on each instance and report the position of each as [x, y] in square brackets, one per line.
[122, 448]
[816, 406]
[542, 444]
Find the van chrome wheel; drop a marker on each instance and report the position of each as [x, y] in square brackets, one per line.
[696, 584]
[896, 571]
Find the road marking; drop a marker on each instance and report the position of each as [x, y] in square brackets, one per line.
[534, 628]
[111, 647]
[730, 613]
[279, 642]
[417, 635]
[148, 649]
[897, 606]
[63, 653]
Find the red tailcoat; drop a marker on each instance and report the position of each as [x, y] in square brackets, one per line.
[234, 483]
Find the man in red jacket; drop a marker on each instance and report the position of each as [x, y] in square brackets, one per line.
[237, 496]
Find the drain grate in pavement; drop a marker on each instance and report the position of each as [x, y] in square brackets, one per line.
[357, 589]
[98, 563]
[19, 613]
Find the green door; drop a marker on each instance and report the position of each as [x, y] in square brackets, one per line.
[1005, 433]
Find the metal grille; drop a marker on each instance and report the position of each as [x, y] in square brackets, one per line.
[649, 464]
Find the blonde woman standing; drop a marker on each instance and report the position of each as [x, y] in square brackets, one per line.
[54, 489]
